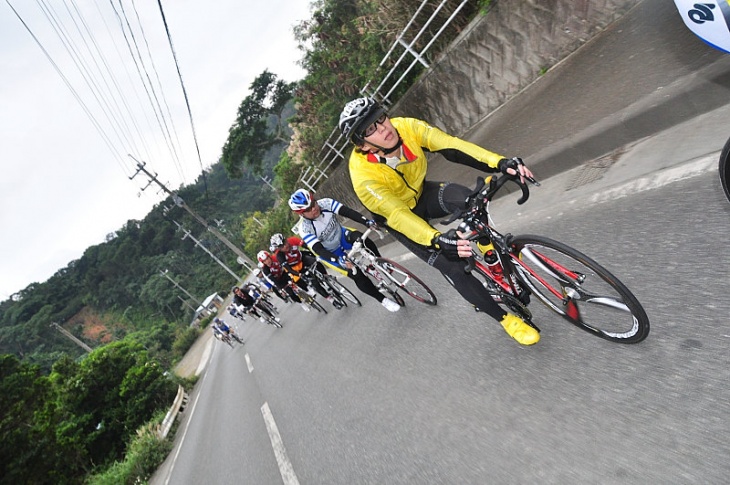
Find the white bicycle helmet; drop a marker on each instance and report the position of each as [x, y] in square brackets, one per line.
[300, 201]
[262, 255]
[357, 115]
[276, 241]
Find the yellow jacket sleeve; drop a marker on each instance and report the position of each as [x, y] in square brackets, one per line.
[379, 198]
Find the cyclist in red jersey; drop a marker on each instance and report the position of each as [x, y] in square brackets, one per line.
[288, 251]
[275, 272]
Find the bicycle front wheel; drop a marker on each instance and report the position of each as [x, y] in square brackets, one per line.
[579, 289]
[406, 280]
[342, 291]
[308, 299]
[724, 169]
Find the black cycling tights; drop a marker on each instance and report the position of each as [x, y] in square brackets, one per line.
[440, 199]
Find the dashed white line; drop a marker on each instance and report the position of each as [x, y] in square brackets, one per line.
[249, 364]
[285, 466]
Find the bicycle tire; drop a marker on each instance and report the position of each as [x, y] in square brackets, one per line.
[592, 298]
[393, 295]
[724, 169]
[237, 338]
[406, 281]
[266, 305]
[341, 291]
[308, 299]
[316, 305]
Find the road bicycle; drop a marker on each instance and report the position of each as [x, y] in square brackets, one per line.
[339, 293]
[567, 281]
[261, 309]
[388, 275]
[265, 303]
[265, 312]
[228, 338]
[306, 298]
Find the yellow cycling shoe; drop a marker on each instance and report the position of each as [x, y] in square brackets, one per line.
[519, 330]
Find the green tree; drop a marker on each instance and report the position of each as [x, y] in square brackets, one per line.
[22, 393]
[114, 391]
[251, 136]
[287, 175]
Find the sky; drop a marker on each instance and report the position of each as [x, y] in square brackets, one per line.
[65, 151]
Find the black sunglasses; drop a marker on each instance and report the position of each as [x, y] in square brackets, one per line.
[373, 127]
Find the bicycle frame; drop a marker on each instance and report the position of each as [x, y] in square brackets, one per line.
[477, 226]
[365, 260]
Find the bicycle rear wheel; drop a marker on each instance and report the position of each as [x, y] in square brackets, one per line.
[406, 280]
[579, 289]
[341, 290]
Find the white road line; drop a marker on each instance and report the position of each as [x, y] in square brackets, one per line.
[285, 466]
[249, 364]
[658, 179]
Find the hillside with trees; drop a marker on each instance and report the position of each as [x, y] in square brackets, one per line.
[68, 415]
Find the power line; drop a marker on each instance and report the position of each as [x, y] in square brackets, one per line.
[148, 87]
[185, 94]
[109, 111]
[75, 94]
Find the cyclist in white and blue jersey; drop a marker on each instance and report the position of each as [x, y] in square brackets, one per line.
[325, 236]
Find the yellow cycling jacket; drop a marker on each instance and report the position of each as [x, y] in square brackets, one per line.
[392, 193]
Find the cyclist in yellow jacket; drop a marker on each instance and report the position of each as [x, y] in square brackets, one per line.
[388, 169]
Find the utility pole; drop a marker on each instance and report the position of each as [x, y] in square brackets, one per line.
[267, 181]
[181, 203]
[164, 273]
[197, 243]
[68, 335]
[186, 303]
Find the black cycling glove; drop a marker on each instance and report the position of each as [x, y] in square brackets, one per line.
[447, 244]
[512, 163]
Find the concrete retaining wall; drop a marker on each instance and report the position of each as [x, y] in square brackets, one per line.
[497, 56]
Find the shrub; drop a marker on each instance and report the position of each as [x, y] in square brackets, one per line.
[144, 455]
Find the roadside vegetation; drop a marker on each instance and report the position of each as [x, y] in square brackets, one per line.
[71, 417]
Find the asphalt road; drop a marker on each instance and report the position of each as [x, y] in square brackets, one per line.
[441, 394]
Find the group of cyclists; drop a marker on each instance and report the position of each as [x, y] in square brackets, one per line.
[388, 168]
[322, 238]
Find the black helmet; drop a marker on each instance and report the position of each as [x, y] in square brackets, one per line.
[357, 115]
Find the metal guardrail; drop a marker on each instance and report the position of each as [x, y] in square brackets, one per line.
[335, 146]
[172, 413]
